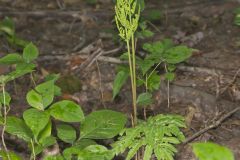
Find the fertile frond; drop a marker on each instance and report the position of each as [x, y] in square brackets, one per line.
[158, 135]
[127, 17]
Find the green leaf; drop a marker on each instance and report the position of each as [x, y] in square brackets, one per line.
[57, 157]
[156, 48]
[177, 54]
[146, 65]
[79, 145]
[211, 151]
[66, 133]
[17, 127]
[21, 69]
[119, 81]
[36, 120]
[12, 155]
[14, 40]
[67, 111]
[153, 82]
[94, 152]
[12, 58]
[167, 44]
[5, 98]
[46, 132]
[35, 100]
[144, 99]
[44, 143]
[42, 96]
[144, 34]
[148, 152]
[154, 15]
[48, 141]
[171, 67]
[134, 148]
[30, 52]
[102, 124]
[170, 76]
[7, 26]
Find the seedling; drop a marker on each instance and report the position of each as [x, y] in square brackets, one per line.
[7, 29]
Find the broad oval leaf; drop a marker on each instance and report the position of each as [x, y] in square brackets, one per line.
[210, 151]
[17, 127]
[177, 54]
[102, 124]
[30, 52]
[119, 81]
[35, 100]
[144, 99]
[67, 111]
[66, 133]
[44, 143]
[46, 132]
[79, 145]
[42, 96]
[153, 82]
[36, 120]
[94, 152]
[12, 58]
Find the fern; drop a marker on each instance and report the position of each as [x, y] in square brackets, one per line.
[157, 135]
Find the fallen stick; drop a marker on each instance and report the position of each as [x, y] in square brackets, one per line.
[212, 126]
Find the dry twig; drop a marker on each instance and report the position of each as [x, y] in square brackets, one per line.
[214, 125]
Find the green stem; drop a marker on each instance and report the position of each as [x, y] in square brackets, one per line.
[134, 80]
[132, 76]
[33, 150]
[4, 122]
[154, 70]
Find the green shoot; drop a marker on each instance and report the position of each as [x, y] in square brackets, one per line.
[127, 17]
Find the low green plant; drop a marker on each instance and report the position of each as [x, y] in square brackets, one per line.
[7, 29]
[210, 151]
[35, 127]
[157, 135]
[23, 64]
[237, 16]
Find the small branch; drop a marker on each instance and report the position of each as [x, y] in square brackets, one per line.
[214, 125]
[231, 83]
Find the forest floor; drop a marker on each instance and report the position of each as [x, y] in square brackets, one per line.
[67, 33]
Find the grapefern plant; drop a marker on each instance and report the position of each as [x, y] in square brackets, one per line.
[157, 135]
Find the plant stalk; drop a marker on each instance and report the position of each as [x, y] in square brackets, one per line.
[33, 150]
[4, 122]
[133, 81]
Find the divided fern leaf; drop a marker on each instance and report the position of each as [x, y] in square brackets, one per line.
[158, 135]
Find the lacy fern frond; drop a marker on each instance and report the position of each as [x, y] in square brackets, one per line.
[157, 135]
[127, 17]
